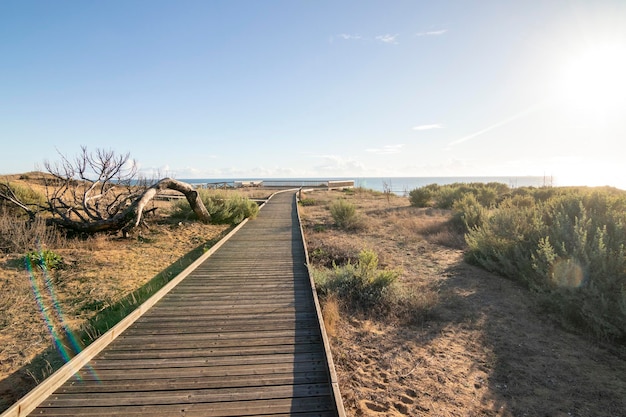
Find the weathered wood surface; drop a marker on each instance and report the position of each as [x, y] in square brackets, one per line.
[239, 336]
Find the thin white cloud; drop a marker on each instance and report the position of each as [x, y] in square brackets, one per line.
[506, 121]
[432, 32]
[349, 37]
[387, 38]
[386, 150]
[428, 127]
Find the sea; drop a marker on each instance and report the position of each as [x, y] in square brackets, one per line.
[396, 185]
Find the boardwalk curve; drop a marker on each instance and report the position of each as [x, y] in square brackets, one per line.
[239, 335]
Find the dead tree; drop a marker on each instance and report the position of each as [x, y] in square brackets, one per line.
[100, 192]
[130, 217]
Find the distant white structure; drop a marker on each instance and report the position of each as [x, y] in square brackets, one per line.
[253, 183]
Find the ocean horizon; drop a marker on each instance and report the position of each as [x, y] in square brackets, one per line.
[397, 185]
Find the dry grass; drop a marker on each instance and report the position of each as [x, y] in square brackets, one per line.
[480, 345]
[331, 314]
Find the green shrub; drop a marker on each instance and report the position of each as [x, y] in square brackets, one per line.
[345, 215]
[45, 259]
[365, 289]
[223, 208]
[361, 285]
[468, 213]
[26, 195]
[420, 197]
[567, 243]
[445, 196]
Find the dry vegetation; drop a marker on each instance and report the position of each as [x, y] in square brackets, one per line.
[484, 347]
[481, 345]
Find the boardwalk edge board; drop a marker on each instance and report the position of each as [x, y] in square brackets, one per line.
[35, 397]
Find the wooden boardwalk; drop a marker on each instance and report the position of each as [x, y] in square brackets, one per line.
[239, 336]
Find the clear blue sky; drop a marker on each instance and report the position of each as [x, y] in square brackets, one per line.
[227, 89]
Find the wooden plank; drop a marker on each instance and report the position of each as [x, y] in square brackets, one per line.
[155, 344]
[207, 353]
[196, 371]
[287, 406]
[108, 363]
[156, 316]
[77, 385]
[214, 395]
[193, 327]
[236, 335]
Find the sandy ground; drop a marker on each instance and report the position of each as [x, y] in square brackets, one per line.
[486, 348]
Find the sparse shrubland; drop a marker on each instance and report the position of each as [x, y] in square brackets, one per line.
[569, 244]
[83, 284]
[446, 337]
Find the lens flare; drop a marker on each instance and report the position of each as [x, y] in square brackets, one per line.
[568, 273]
[52, 312]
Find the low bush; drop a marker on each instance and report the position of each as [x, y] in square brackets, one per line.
[420, 197]
[361, 285]
[363, 288]
[32, 199]
[469, 213]
[345, 215]
[307, 202]
[445, 196]
[224, 208]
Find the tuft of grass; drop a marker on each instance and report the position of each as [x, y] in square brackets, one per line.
[331, 315]
[363, 288]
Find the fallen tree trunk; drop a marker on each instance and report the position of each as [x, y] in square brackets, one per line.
[130, 217]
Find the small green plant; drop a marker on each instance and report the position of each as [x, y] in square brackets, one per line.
[361, 285]
[307, 202]
[345, 215]
[45, 260]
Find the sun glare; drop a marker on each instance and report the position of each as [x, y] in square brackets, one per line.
[595, 80]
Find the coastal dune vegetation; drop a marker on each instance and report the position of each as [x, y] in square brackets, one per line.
[473, 299]
[567, 244]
